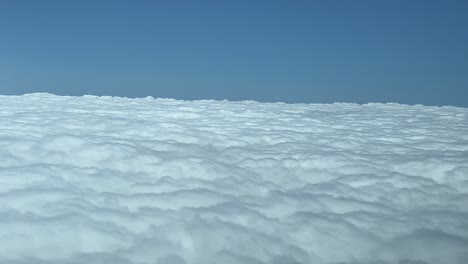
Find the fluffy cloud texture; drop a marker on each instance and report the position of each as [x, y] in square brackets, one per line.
[115, 180]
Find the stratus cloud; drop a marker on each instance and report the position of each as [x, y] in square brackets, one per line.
[115, 180]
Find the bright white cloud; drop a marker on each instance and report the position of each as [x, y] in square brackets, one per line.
[115, 180]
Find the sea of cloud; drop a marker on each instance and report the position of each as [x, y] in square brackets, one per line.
[117, 180]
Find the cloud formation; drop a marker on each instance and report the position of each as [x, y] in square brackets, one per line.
[116, 180]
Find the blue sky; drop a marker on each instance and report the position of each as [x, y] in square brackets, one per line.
[413, 52]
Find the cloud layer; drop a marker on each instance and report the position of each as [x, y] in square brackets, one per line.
[116, 180]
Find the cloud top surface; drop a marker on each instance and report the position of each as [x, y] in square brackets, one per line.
[116, 180]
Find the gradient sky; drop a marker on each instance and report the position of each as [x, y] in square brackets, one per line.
[413, 52]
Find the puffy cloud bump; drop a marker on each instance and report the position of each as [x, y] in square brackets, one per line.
[116, 180]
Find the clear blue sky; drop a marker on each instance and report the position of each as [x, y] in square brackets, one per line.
[409, 51]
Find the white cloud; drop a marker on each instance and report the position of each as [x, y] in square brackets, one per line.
[116, 180]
